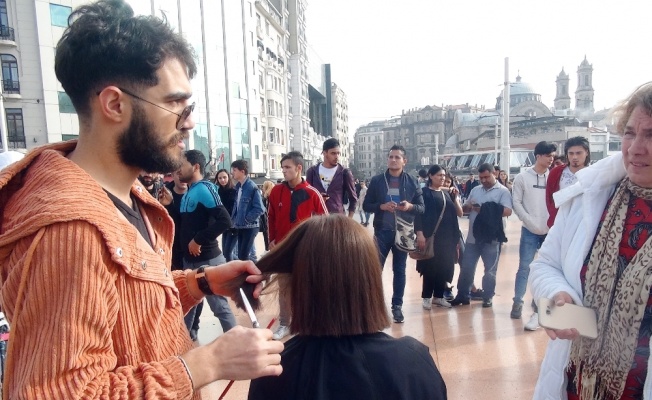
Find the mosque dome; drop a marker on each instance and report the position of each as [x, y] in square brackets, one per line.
[519, 92]
[519, 88]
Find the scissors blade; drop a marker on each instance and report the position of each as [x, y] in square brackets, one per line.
[250, 311]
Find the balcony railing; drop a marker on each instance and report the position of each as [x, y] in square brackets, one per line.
[16, 142]
[7, 33]
[10, 86]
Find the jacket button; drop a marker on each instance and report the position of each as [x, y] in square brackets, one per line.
[143, 265]
[118, 251]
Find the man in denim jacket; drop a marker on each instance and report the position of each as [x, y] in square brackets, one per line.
[389, 193]
[247, 210]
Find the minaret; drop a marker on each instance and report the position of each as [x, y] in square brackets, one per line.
[584, 92]
[562, 100]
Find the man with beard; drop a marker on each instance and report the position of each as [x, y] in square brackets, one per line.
[578, 155]
[334, 182]
[85, 269]
[202, 218]
[150, 182]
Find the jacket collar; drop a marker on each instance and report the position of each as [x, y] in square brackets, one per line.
[38, 179]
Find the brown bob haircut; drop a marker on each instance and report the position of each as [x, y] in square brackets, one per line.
[642, 97]
[334, 274]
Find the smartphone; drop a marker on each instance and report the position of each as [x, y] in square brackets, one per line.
[568, 316]
[402, 203]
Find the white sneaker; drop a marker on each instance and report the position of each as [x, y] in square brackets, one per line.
[426, 304]
[281, 332]
[533, 323]
[441, 302]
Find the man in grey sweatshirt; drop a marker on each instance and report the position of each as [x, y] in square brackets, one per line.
[529, 197]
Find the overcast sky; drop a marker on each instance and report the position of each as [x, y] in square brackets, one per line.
[393, 55]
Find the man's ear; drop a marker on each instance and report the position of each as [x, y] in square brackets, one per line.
[112, 104]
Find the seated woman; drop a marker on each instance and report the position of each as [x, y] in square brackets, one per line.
[338, 313]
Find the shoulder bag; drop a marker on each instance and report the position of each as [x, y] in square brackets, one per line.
[405, 238]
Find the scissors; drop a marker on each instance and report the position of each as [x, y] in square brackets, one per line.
[250, 311]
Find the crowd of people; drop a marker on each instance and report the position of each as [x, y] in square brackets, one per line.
[116, 263]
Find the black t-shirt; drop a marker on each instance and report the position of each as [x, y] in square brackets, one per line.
[132, 214]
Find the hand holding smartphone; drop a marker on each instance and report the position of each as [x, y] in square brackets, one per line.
[568, 316]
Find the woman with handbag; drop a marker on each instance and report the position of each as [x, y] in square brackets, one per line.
[437, 229]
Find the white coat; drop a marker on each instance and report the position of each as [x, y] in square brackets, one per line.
[561, 258]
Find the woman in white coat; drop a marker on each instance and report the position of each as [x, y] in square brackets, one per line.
[598, 254]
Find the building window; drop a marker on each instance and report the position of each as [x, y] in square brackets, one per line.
[59, 15]
[10, 82]
[257, 152]
[4, 17]
[6, 33]
[255, 124]
[15, 128]
[65, 104]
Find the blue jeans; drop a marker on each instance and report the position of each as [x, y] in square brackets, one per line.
[218, 304]
[229, 245]
[364, 214]
[385, 243]
[241, 243]
[246, 243]
[528, 247]
[472, 253]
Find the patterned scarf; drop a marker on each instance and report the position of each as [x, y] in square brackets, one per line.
[619, 294]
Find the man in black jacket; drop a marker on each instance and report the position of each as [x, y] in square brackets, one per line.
[203, 218]
[388, 194]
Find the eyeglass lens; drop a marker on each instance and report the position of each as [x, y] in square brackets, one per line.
[184, 115]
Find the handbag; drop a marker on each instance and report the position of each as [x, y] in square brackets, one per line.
[429, 251]
[405, 238]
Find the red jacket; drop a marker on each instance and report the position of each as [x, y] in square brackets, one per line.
[552, 186]
[288, 207]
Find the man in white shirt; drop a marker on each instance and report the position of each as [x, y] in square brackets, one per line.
[529, 197]
[332, 180]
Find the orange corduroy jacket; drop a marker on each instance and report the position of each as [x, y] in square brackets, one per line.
[95, 312]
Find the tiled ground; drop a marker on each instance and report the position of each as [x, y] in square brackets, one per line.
[481, 353]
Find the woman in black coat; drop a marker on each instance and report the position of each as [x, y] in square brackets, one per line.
[438, 271]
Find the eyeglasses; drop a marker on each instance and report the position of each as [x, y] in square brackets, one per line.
[185, 113]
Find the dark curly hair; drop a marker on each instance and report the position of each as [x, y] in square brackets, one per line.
[106, 44]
